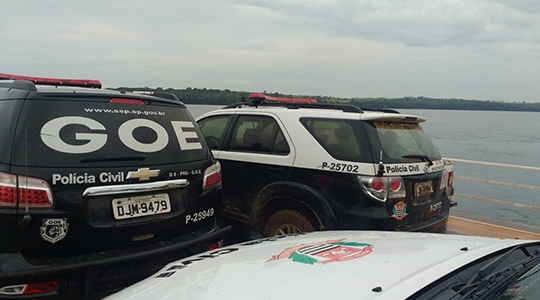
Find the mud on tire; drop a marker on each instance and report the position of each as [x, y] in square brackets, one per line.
[287, 221]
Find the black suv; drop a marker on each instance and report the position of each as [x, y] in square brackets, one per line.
[98, 188]
[304, 166]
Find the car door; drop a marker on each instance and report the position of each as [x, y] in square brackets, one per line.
[254, 154]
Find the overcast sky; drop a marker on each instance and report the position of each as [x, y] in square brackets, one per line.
[483, 49]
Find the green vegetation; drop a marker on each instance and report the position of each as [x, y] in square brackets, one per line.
[224, 97]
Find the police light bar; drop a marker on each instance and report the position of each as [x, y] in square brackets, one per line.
[54, 81]
[262, 97]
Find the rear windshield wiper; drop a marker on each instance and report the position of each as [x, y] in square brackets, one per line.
[420, 156]
[139, 157]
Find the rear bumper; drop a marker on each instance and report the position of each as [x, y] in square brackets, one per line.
[436, 224]
[378, 219]
[99, 274]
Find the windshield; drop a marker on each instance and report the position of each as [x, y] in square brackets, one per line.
[403, 142]
[513, 273]
[526, 287]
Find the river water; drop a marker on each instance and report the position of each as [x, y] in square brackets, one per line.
[495, 137]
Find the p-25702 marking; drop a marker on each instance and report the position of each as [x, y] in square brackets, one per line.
[339, 167]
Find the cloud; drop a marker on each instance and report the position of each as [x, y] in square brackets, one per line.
[387, 48]
[413, 22]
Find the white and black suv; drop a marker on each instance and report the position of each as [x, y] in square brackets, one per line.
[98, 188]
[302, 166]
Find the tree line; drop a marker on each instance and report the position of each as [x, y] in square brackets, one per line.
[224, 97]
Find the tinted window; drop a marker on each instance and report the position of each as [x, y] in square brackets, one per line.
[402, 139]
[213, 129]
[73, 133]
[342, 139]
[258, 134]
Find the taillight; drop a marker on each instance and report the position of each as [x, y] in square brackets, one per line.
[212, 176]
[395, 184]
[450, 179]
[214, 246]
[34, 192]
[126, 101]
[29, 289]
[383, 188]
[445, 180]
[377, 184]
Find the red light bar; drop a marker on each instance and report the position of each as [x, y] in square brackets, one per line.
[259, 96]
[54, 81]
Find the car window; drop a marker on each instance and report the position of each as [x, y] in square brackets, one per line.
[258, 134]
[342, 139]
[74, 133]
[213, 129]
[402, 139]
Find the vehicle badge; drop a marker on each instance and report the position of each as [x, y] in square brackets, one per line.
[54, 230]
[435, 207]
[399, 210]
[143, 174]
[324, 252]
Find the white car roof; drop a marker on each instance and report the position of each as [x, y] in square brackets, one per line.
[319, 265]
[285, 112]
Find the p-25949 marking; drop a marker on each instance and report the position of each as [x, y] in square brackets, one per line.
[199, 216]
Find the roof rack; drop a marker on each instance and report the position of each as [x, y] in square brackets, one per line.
[342, 107]
[88, 83]
[296, 103]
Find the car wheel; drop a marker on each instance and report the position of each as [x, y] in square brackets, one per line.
[286, 222]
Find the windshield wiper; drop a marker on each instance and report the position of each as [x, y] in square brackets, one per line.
[139, 157]
[420, 156]
[484, 284]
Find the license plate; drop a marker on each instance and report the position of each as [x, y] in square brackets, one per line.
[140, 206]
[423, 188]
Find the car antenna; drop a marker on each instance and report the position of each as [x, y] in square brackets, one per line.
[380, 172]
[26, 219]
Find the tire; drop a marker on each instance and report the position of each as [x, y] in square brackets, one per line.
[287, 221]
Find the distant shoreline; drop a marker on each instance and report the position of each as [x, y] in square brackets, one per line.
[224, 97]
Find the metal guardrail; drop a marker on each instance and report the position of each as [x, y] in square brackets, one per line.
[496, 182]
[473, 223]
[494, 164]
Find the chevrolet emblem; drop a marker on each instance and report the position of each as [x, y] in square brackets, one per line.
[143, 174]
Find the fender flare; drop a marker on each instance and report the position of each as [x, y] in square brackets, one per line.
[293, 191]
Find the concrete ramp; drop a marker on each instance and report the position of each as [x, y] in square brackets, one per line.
[470, 224]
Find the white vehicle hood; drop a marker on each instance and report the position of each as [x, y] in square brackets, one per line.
[319, 265]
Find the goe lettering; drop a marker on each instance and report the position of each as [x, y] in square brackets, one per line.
[50, 135]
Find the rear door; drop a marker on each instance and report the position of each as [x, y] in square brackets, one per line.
[121, 171]
[255, 154]
[409, 153]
